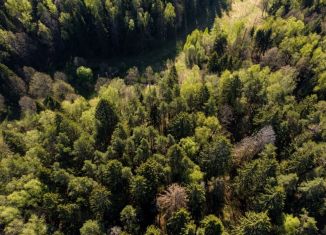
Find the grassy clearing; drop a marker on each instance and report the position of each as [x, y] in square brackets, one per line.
[244, 13]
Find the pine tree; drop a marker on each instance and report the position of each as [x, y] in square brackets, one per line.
[106, 120]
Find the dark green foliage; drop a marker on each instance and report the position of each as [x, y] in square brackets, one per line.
[180, 164]
[176, 225]
[228, 138]
[211, 225]
[14, 141]
[181, 126]
[128, 217]
[263, 39]
[196, 200]
[254, 224]
[106, 121]
[215, 159]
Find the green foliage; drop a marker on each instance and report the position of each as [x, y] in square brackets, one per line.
[195, 48]
[90, 227]
[128, 217]
[106, 120]
[254, 223]
[215, 159]
[180, 164]
[152, 230]
[176, 225]
[229, 129]
[211, 225]
[20, 9]
[84, 74]
[196, 200]
[181, 126]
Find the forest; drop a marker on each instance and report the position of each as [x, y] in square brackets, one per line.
[228, 138]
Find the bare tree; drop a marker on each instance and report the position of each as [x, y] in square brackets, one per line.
[60, 76]
[171, 200]
[250, 146]
[41, 85]
[61, 89]
[27, 105]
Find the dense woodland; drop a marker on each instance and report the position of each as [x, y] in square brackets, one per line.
[230, 138]
[43, 33]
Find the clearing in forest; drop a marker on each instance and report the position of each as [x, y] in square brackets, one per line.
[243, 13]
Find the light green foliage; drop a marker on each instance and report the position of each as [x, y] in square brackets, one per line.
[280, 84]
[128, 217]
[195, 48]
[291, 225]
[22, 9]
[35, 225]
[152, 230]
[90, 227]
[84, 74]
[227, 137]
[169, 14]
[94, 6]
[8, 214]
[51, 6]
[211, 225]
[254, 223]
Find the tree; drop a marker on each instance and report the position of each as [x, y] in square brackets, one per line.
[169, 14]
[263, 39]
[215, 195]
[99, 201]
[254, 224]
[196, 200]
[141, 192]
[84, 74]
[171, 200]
[177, 223]
[180, 164]
[152, 230]
[211, 225]
[128, 218]
[220, 43]
[291, 225]
[14, 141]
[40, 85]
[313, 195]
[27, 105]
[155, 174]
[256, 176]
[12, 87]
[35, 225]
[215, 159]
[272, 201]
[90, 227]
[106, 121]
[181, 126]
[20, 9]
